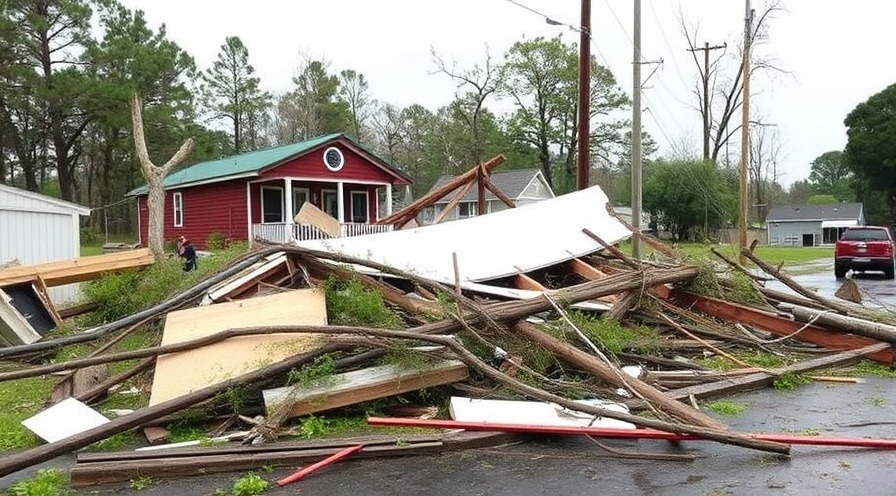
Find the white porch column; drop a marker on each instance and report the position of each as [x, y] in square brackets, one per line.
[388, 200]
[340, 200]
[288, 206]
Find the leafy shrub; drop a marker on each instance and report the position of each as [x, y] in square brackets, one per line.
[47, 482]
[350, 303]
[250, 485]
[90, 236]
[215, 241]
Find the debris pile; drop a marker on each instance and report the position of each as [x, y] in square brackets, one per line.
[580, 337]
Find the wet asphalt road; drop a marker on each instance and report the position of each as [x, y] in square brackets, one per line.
[575, 466]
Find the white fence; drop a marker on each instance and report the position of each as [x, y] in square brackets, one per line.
[283, 232]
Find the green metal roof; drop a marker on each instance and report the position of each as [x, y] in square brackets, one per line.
[249, 163]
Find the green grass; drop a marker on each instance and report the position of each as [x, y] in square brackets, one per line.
[47, 482]
[724, 407]
[19, 400]
[789, 255]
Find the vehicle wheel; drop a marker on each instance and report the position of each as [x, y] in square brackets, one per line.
[839, 271]
[889, 272]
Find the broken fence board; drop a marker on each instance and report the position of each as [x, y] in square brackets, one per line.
[251, 275]
[362, 385]
[180, 373]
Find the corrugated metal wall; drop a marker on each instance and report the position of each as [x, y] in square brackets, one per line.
[33, 231]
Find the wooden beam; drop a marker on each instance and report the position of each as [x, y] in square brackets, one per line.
[77, 270]
[403, 216]
[779, 326]
[458, 196]
[522, 281]
[354, 387]
[500, 194]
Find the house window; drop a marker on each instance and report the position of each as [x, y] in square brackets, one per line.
[333, 159]
[466, 210]
[178, 201]
[299, 197]
[330, 202]
[359, 206]
[271, 204]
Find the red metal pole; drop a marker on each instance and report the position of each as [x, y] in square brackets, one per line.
[625, 433]
[323, 463]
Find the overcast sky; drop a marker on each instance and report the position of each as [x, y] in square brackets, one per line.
[837, 54]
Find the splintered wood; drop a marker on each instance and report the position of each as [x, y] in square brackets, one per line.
[180, 373]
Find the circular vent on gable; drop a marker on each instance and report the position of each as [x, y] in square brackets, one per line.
[333, 159]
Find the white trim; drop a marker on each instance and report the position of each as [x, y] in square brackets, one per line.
[388, 201]
[177, 207]
[340, 198]
[249, 211]
[67, 205]
[321, 180]
[341, 159]
[351, 199]
[839, 223]
[544, 182]
[288, 207]
[282, 202]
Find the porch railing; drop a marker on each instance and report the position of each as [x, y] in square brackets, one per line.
[284, 232]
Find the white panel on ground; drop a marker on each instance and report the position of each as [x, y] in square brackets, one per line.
[64, 419]
[533, 413]
[494, 245]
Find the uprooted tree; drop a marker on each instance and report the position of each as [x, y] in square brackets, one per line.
[154, 176]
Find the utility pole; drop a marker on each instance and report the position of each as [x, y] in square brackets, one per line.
[584, 128]
[636, 130]
[744, 138]
[705, 75]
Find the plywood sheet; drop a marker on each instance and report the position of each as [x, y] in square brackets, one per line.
[64, 419]
[180, 373]
[313, 216]
[495, 245]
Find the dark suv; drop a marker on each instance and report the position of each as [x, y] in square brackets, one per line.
[865, 248]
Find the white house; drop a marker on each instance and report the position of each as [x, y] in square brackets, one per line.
[523, 186]
[36, 229]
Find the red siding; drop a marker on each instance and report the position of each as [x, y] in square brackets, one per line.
[311, 165]
[219, 207]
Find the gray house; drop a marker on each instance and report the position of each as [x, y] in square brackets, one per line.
[812, 225]
[523, 186]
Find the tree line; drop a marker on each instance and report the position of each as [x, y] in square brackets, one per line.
[65, 126]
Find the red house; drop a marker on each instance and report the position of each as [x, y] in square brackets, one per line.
[257, 194]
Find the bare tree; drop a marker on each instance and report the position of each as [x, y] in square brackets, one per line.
[725, 85]
[154, 176]
[765, 151]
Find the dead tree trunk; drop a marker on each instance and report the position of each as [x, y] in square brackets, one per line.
[154, 176]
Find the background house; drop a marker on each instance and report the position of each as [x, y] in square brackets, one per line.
[523, 186]
[257, 194]
[39, 229]
[811, 225]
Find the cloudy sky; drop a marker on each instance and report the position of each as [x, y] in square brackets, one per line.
[835, 54]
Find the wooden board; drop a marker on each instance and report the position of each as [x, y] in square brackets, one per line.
[533, 413]
[313, 216]
[180, 373]
[77, 270]
[363, 385]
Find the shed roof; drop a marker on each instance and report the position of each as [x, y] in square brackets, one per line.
[827, 211]
[252, 163]
[511, 183]
[48, 200]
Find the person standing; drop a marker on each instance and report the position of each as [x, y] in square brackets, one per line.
[186, 251]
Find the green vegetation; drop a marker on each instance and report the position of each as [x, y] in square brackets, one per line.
[614, 337]
[47, 482]
[724, 407]
[787, 382]
[788, 255]
[250, 485]
[867, 368]
[405, 357]
[19, 400]
[350, 303]
[140, 483]
[318, 372]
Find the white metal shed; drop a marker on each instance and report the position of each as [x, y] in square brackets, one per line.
[36, 228]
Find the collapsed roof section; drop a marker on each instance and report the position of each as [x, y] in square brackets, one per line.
[491, 246]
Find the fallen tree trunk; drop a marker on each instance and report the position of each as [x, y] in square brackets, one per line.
[874, 330]
[614, 376]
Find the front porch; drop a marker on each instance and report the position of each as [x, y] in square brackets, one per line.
[355, 206]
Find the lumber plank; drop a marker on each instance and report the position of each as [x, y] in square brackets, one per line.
[733, 312]
[183, 372]
[354, 387]
[313, 216]
[77, 270]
